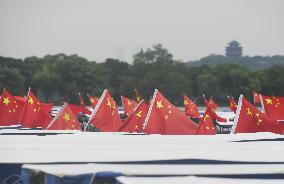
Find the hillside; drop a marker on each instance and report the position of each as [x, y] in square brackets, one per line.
[254, 63]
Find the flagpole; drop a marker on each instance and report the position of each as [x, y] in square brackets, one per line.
[96, 108]
[261, 102]
[57, 115]
[25, 105]
[2, 92]
[150, 109]
[237, 114]
[122, 104]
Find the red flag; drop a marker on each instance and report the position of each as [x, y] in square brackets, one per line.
[10, 109]
[134, 123]
[76, 109]
[214, 106]
[233, 104]
[256, 98]
[128, 105]
[64, 120]
[165, 118]
[105, 116]
[190, 108]
[214, 115]
[84, 108]
[250, 120]
[273, 106]
[138, 96]
[93, 100]
[34, 113]
[206, 126]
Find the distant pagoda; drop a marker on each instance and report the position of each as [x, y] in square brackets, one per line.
[234, 50]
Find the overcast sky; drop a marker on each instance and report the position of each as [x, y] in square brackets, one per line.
[98, 29]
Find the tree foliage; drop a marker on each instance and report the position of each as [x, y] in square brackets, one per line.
[54, 77]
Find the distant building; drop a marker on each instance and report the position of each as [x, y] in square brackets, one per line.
[234, 50]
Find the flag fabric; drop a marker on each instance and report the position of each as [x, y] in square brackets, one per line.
[256, 98]
[20, 99]
[10, 109]
[273, 106]
[64, 120]
[105, 116]
[232, 104]
[85, 110]
[46, 107]
[250, 120]
[214, 115]
[76, 109]
[190, 108]
[206, 126]
[134, 123]
[128, 105]
[165, 118]
[138, 96]
[93, 100]
[34, 113]
[214, 106]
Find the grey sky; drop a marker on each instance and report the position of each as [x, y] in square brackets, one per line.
[97, 29]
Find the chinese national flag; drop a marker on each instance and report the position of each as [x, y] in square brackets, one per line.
[128, 105]
[10, 109]
[190, 108]
[138, 96]
[93, 100]
[134, 123]
[214, 106]
[165, 118]
[35, 113]
[273, 106]
[250, 120]
[85, 110]
[233, 104]
[106, 116]
[206, 126]
[213, 114]
[76, 109]
[64, 120]
[256, 98]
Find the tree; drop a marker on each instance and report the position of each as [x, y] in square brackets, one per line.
[12, 80]
[157, 54]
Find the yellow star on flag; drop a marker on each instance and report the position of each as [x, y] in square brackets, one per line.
[268, 101]
[206, 116]
[108, 103]
[259, 121]
[6, 101]
[66, 117]
[139, 114]
[31, 101]
[185, 102]
[166, 116]
[159, 104]
[249, 112]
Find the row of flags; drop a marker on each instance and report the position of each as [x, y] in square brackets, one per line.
[158, 116]
[30, 112]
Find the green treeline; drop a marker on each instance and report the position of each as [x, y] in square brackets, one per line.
[61, 77]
